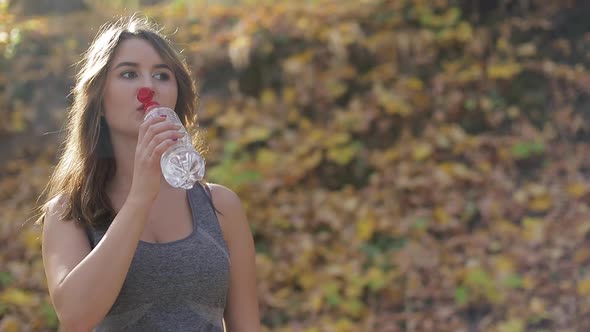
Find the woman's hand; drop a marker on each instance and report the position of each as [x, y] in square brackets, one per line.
[156, 135]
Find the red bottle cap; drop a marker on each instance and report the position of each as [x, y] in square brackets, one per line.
[145, 95]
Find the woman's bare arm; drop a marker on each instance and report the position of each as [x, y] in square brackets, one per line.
[84, 284]
[241, 312]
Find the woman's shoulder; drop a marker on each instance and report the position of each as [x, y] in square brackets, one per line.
[56, 223]
[223, 198]
[232, 217]
[55, 213]
[55, 206]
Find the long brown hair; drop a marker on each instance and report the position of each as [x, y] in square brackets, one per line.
[87, 163]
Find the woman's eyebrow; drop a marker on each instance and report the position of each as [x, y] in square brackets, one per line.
[163, 65]
[126, 63]
[135, 64]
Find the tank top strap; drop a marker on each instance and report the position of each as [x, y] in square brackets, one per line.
[205, 219]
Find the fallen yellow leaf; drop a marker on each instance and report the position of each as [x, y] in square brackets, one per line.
[540, 204]
[528, 283]
[17, 297]
[365, 227]
[267, 97]
[415, 83]
[10, 324]
[344, 325]
[504, 265]
[577, 190]
[31, 237]
[441, 216]
[336, 139]
[289, 94]
[513, 325]
[422, 151]
[503, 71]
[533, 229]
[391, 103]
[17, 123]
[316, 301]
[254, 134]
[266, 158]
[583, 287]
[342, 155]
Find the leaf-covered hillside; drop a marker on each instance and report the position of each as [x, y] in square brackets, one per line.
[406, 165]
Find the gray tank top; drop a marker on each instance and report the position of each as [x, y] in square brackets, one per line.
[175, 286]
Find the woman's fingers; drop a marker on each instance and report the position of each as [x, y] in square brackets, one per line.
[146, 125]
[161, 148]
[155, 129]
[167, 138]
[156, 135]
[153, 126]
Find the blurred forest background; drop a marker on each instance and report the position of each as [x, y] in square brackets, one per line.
[406, 165]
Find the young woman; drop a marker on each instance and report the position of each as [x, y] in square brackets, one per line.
[122, 250]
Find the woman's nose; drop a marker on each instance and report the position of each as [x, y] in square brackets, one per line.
[147, 81]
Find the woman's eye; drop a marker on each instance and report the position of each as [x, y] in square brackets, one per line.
[162, 76]
[129, 74]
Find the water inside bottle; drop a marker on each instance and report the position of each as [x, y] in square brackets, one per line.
[182, 167]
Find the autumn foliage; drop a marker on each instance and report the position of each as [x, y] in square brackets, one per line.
[405, 165]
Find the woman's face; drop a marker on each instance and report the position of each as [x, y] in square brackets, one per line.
[135, 64]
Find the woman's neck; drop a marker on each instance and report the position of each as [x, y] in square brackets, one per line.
[124, 153]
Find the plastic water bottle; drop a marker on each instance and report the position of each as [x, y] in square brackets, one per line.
[181, 164]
